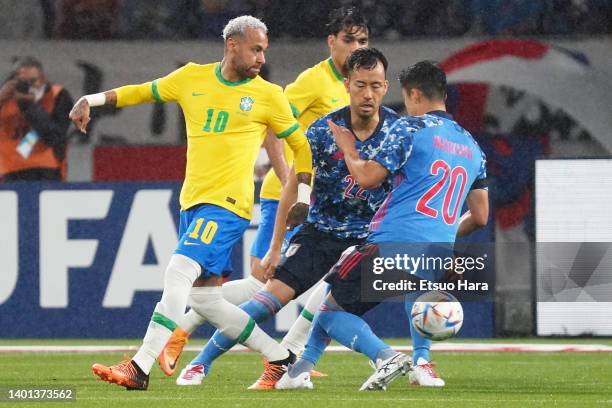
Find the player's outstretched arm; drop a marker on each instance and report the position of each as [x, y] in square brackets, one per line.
[478, 213]
[368, 173]
[160, 90]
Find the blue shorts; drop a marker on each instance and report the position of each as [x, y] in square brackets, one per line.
[266, 229]
[207, 234]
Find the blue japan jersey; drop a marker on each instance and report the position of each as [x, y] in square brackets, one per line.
[433, 163]
[338, 205]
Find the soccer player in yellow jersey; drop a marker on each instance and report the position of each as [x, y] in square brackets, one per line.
[316, 92]
[227, 109]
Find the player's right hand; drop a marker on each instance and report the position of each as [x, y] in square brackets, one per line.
[80, 114]
[344, 138]
[269, 262]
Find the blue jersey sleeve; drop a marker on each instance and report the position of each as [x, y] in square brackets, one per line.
[397, 146]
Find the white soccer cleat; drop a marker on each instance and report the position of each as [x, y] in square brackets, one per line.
[425, 376]
[387, 371]
[301, 382]
[191, 375]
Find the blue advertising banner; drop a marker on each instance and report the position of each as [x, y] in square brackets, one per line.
[86, 260]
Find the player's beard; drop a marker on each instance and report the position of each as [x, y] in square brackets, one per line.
[366, 115]
[246, 72]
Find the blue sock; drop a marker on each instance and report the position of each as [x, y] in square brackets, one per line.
[315, 346]
[420, 344]
[351, 331]
[263, 305]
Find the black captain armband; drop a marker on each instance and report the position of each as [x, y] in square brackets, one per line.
[480, 183]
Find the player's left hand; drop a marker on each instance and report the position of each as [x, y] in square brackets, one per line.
[344, 137]
[269, 263]
[297, 215]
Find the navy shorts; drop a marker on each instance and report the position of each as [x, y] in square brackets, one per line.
[309, 256]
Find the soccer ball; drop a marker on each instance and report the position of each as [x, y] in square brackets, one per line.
[437, 315]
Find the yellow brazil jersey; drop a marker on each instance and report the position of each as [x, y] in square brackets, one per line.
[226, 123]
[316, 92]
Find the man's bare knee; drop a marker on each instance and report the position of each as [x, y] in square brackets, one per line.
[212, 280]
[283, 292]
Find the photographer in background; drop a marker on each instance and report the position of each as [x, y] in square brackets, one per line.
[33, 125]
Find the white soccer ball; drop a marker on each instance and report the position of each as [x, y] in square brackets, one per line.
[437, 315]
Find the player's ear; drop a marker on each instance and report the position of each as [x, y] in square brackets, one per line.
[347, 83]
[331, 40]
[414, 95]
[231, 43]
[386, 87]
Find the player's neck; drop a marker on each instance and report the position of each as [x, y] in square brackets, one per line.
[431, 107]
[364, 127]
[337, 66]
[228, 73]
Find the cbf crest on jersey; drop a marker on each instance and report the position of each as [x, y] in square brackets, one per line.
[246, 103]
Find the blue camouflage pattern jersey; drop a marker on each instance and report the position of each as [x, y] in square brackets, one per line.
[338, 205]
[433, 163]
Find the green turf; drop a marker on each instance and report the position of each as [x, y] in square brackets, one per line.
[119, 342]
[473, 380]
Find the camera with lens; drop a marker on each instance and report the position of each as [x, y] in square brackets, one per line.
[24, 85]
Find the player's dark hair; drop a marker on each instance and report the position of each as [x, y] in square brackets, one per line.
[427, 77]
[366, 58]
[27, 62]
[349, 19]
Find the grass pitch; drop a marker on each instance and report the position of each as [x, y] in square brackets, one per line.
[473, 380]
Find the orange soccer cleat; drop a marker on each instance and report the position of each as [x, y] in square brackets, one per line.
[273, 371]
[126, 374]
[169, 357]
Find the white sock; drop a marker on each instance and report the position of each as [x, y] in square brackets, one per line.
[258, 340]
[235, 323]
[191, 320]
[296, 337]
[240, 290]
[155, 339]
[179, 276]
[236, 292]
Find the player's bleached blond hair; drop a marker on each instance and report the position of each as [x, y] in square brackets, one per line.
[239, 25]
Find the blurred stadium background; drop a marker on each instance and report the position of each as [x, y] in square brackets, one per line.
[530, 79]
